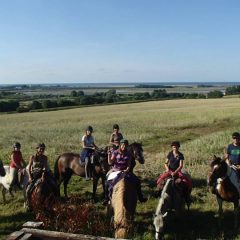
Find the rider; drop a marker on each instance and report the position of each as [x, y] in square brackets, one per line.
[89, 147]
[173, 166]
[115, 138]
[233, 152]
[16, 163]
[121, 161]
[232, 156]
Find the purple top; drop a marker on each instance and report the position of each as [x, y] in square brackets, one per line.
[121, 160]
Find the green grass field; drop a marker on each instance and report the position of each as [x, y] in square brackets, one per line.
[203, 126]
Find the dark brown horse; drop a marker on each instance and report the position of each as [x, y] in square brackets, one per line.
[43, 195]
[136, 152]
[222, 186]
[68, 164]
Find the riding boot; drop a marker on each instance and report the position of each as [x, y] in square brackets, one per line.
[106, 197]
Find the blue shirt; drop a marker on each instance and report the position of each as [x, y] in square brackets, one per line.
[234, 153]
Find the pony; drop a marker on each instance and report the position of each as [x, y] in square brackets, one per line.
[136, 152]
[5, 181]
[124, 196]
[68, 164]
[222, 186]
[42, 196]
[123, 203]
[171, 199]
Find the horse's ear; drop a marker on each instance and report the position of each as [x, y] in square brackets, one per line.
[214, 157]
[165, 214]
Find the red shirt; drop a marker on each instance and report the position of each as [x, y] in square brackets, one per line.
[17, 156]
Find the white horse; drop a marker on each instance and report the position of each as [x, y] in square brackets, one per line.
[5, 183]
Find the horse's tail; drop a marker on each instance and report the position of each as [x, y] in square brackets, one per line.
[56, 169]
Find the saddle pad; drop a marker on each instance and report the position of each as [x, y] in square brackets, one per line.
[113, 175]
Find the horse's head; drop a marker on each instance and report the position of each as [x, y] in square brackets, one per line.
[158, 222]
[136, 151]
[2, 170]
[102, 159]
[218, 170]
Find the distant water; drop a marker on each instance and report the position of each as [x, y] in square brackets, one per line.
[134, 84]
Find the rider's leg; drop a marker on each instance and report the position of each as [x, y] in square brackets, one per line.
[87, 175]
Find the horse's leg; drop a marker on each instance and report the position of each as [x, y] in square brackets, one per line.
[4, 194]
[220, 210]
[236, 212]
[95, 183]
[67, 177]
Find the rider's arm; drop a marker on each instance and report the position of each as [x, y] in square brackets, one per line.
[111, 141]
[166, 165]
[227, 156]
[112, 158]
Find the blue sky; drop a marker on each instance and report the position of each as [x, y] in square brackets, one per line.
[79, 41]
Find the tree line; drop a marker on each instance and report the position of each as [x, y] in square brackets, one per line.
[78, 98]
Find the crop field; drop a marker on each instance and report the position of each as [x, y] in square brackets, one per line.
[203, 127]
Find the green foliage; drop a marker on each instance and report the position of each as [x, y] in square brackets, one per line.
[215, 94]
[8, 106]
[233, 90]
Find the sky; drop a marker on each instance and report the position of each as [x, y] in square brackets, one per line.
[122, 41]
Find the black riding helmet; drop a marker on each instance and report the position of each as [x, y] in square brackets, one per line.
[236, 135]
[89, 128]
[115, 126]
[176, 144]
[40, 145]
[125, 141]
[17, 145]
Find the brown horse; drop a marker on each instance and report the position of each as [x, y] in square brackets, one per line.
[219, 180]
[43, 195]
[124, 202]
[124, 196]
[68, 164]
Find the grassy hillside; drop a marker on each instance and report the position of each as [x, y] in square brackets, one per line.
[204, 128]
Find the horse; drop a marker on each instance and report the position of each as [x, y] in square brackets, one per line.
[5, 181]
[123, 203]
[42, 196]
[124, 195]
[171, 199]
[68, 164]
[220, 180]
[136, 152]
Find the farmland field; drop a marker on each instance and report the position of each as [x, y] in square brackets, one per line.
[203, 126]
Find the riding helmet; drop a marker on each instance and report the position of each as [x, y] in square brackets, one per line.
[176, 144]
[115, 126]
[125, 141]
[40, 145]
[236, 135]
[17, 145]
[89, 128]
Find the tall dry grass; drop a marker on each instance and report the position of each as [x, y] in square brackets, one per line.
[203, 126]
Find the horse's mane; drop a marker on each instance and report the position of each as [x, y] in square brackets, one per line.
[164, 196]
